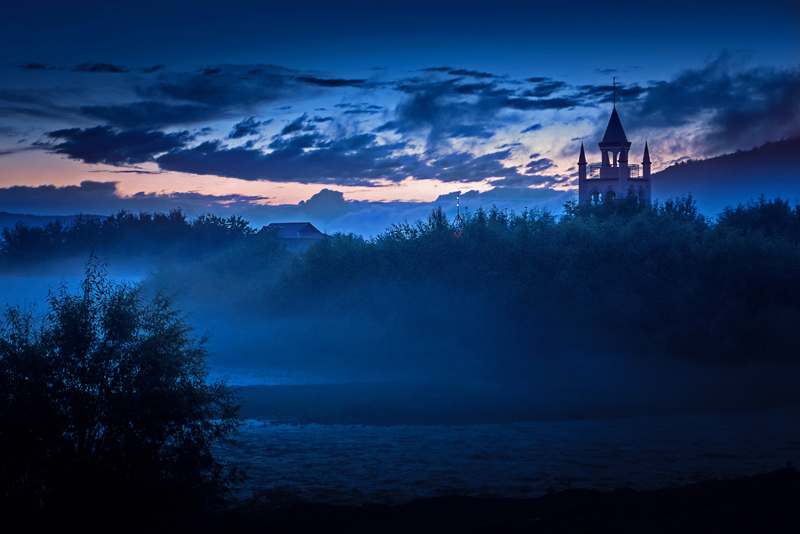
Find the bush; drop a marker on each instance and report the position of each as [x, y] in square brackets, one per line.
[104, 402]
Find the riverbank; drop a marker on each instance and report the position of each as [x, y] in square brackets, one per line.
[761, 503]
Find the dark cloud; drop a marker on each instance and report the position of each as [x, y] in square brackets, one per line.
[451, 109]
[94, 66]
[154, 68]
[248, 126]
[741, 107]
[472, 73]
[448, 108]
[314, 158]
[545, 88]
[173, 98]
[297, 125]
[149, 114]
[299, 142]
[604, 94]
[103, 145]
[532, 128]
[182, 98]
[459, 72]
[230, 85]
[360, 109]
[37, 66]
[465, 167]
[388, 127]
[330, 82]
[353, 160]
[529, 104]
[539, 165]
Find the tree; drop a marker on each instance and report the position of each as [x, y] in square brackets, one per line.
[105, 397]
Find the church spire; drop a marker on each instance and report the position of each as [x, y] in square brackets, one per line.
[646, 159]
[615, 134]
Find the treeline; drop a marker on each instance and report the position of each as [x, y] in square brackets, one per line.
[124, 235]
[625, 275]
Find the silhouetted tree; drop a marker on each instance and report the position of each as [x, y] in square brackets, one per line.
[104, 401]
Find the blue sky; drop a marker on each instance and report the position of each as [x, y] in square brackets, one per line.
[358, 114]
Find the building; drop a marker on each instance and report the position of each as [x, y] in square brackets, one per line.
[295, 235]
[614, 177]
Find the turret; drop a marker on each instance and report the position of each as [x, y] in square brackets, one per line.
[582, 176]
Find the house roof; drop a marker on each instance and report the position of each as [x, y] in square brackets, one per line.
[615, 135]
[295, 230]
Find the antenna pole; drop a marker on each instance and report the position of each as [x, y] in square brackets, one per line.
[615, 91]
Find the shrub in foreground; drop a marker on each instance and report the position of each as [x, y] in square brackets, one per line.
[104, 404]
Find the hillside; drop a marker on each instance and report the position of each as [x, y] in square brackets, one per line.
[772, 170]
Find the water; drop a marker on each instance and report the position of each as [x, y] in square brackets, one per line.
[353, 464]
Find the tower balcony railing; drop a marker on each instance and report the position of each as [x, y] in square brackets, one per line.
[594, 170]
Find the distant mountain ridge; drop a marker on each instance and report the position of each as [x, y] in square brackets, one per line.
[772, 170]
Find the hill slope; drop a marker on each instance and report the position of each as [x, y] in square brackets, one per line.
[772, 170]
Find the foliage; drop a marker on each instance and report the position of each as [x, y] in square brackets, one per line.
[123, 234]
[624, 275]
[105, 397]
[771, 218]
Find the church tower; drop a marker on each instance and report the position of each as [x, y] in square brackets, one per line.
[613, 177]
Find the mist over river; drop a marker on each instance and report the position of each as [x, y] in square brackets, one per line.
[355, 463]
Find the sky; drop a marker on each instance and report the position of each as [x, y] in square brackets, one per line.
[355, 115]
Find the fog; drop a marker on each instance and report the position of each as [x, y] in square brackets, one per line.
[341, 337]
[424, 355]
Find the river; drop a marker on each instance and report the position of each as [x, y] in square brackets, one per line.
[353, 464]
